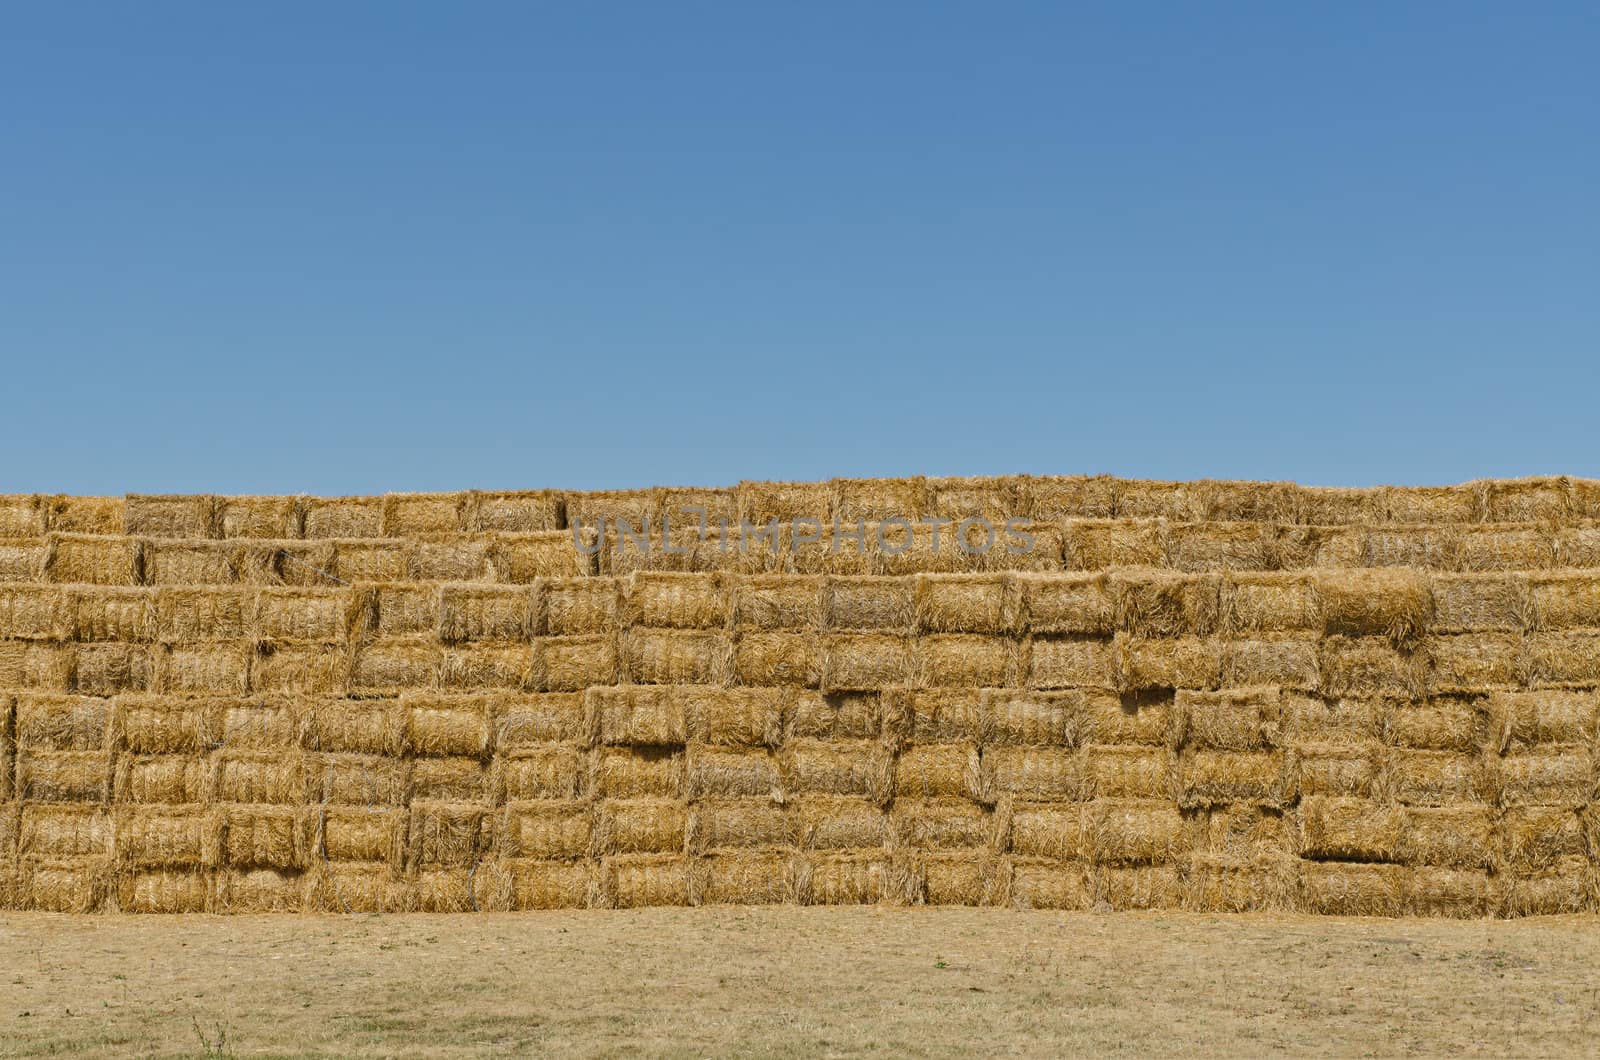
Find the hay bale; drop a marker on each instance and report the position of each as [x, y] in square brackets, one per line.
[258, 517]
[1566, 600]
[1288, 660]
[639, 771]
[22, 515]
[360, 834]
[445, 834]
[522, 559]
[1036, 883]
[1370, 666]
[371, 561]
[257, 776]
[318, 668]
[623, 715]
[23, 561]
[1528, 500]
[343, 517]
[874, 499]
[679, 601]
[1033, 718]
[177, 564]
[1419, 547]
[1564, 659]
[167, 837]
[355, 887]
[63, 776]
[1269, 602]
[1163, 604]
[570, 606]
[677, 657]
[1438, 778]
[479, 612]
[1452, 892]
[1520, 720]
[837, 715]
[1168, 662]
[1322, 547]
[1035, 773]
[869, 603]
[1147, 718]
[1334, 888]
[739, 823]
[1225, 885]
[934, 770]
[972, 603]
[640, 826]
[1577, 546]
[1141, 887]
[516, 510]
[163, 891]
[191, 669]
[27, 666]
[1431, 504]
[735, 717]
[108, 669]
[1136, 832]
[175, 516]
[1506, 548]
[859, 661]
[554, 884]
[1345, 768]
[1224, 546]
[52, 831]
[714, 771]
[831, 822]
[743, 878]
[262, 890]
[1536, 839]
[1476, 662]
[410, 514]
[61, 723]
[762, 502]
[859, 767]
[554, 771]
[1144, 499]
[1059, 830]
[356, 780]
[1052, 497]
[98, 614]
[66, 885]
[1238, 719]
[1552, 775]
[1452, 837]
[546, 829]
[1566, 887]
[169, 779]
[451, 780]
[993, 498]
[1350, 829]
[1072, 662]
[1018, 548]
[639, 880]
[529, 719]
[762, 658]
[478, 666]
[1214, 778]
[1243, 835]
[777, 602]
[572, 664]
[1459, 723]
[1119, 771]
[83, 515]
[301, 614]
[966, 878]
[355, 726]
[1065, 603]
[273, 837]
[954, 660]
[1263, 502]
[437, 725]
[1470, 603]
[1397, 604]
[844, 878]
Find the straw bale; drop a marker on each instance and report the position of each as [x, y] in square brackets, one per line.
[304, 668]
[1141, 887]
[680, 601]
[973, 603]
[253, 722]
[1452, 892]
[1565, 659]
[1071, 662]
[1222, 547]
[304, 563]
[1066, 603]
[346, 517]
[1134, 718]
[1224, 885]
[1324, 547]
[258, 517]
[1546, 716]
[836, 715]
[1043, 719]
[858, 767]
[762, 658]
[536, 718]
[571, 664]
[1446, 723]
[1213, 778]
[1289, 661]
[1018, 548]
[67, 885]
[1370, 666]
[1438, 778]
[1145, 499]
[869, 603]
[203, 668]
[1319, 720]
[1577, 546]
[1266, 502]
[23, 561]
[261, 890]
[1430, 504]
[1236, 719]
[579, 605]
[554, 884]
[930, 770]
[967, 878]
[356, 780]
[163, 891]
[150, 779]
[1104, 545]
[35, 612]
[522, 510]
[1473, 662]
[1168, 662]
[638, 880]
[186, 837]
[639, 771]
[258, 776]
[1397, 604]
[1269, 602]
[1552, 775]
[455, 779]
[637, 508]
[1567, 886]
[1535, 839]
[371, 561]
[1120, 771]
[715, 771]
[1419, 547]
[1527, 500]
[733, 823]
[734, 717]
[25, 665]
[193, 563]
[1038, 773]
[273, 837]
[185, 615]
[879, 498]
[480, 665]
[777, 602]
[53, 831]
[107, 669]
[63, 776]
[301, 614]
[675, 657]
[62, 723]
[149, 724]
[640, 826]
[554, 771]
[107, 613]
[1052, 830]
[440, 725]
[857, 661]
[1165, 604]
[1047, 884]
[996, 498]
[445, 833]
[1567, 600]
[1465, 603]
[356, 726]
[1348, 829]
[1050, 497]
[1505, 548]
[1341, 767]
[1456, 837]
[522, 558]
[624, 715]
[698, 506]
[176, 516]
[84, 515]
[831, 822]
[551, 829]
[1136, 832]
[22, 515]
[743, 878]
[410, 514]
[845, 878]
[1243, 835]
[355, 887]
[762, 502]
[1334, 888]
[966, 659]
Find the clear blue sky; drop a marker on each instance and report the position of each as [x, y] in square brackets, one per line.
[353, 247]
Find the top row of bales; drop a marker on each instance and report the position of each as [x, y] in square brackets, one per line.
[1030, 498]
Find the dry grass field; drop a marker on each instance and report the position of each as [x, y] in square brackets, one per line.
[738, 981]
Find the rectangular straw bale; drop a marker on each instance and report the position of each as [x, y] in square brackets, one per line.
[571, 664]
[258, 776]
[179, 837]
[1066, 603]
[1566, 887]
[1051, 830]
[532, 719]
[761, 502]
[843, 878]
[1168, 662]
[638, 771]
[638, 508]
[954, 660]
[571, 606]
[1551, 775]
[1214, 778]
[1269, 602]
[1506, 548]
[972, 603]
[1039, 883]
[357, 833]
[445, 834]
[258, 517]
[1258, 502]
[777, 601]
[107, 614]
[63, 776]
[53, 831]
[1430, 504]
[1438, 778]
[30, 666]
[254, 722]
[1072, 662]
[1528, 500]
[964, 878]
[451, 779]
[507, 665]
[1243, 835]
[1015, 548]
[1105, 545]
[107, 669]
[833, 822]
[677, 656]
[696, 506]
[1136, 832]
[640, 826]
[23, 561]
[438, 725]
[738, 823]
[861, 661]
[1567, 600]
[1141, 887]
[263, 890]
[1341, 767]
[869, 603]
[637, 715]
[22, 515]
[1445, 723]
[305, 563]
[457, 889]
[371, 561]
[994, 498]
[1164, 604]
[836, 715]
[343, 517]
[66, 885]
[1215, 546]
[190, 615]
[1577, 547]
[94, 560]
[776, 658]
[1324, 547]
[1521, 720]
[163, 891]
[275, 837]
[743, 878]
[176, 516]
[1427, 548]
[356, 779]
[640, 880]
[933, 770]
[1337, 888]
[735, 717]
[1037, 773]
[1135, 718]
[355, 726]
[301, 614]
[517, 510]
[1476, 662]
[554, 884]
[1468, 603]
[1037, 718]
[62, 722]
[356, 887]
[1235, 719]
[1370, 666]
[547, 829]
[1456, 837]
[84, 515]
[874, 499]
[1119, 771]
[1050, 497]
[200, 668]
[410, 514]
[861, 767]
[1536, 839]
[172, 778]
[1564, 659]
[1224, 885]
[1146, 499]
[320, 669]
[552, 771]
[1349, 829]
[714, 771]
[680, 601]
[1397, 604]
[1288, 660]
[523, 558]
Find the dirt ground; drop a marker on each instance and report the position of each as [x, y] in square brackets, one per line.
[794, 982]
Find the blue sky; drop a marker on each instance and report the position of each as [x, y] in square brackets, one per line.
[359, 247]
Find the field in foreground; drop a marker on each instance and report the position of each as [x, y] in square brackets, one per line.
[795, 982]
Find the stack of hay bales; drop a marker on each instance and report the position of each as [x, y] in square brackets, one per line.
[1211, 695]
